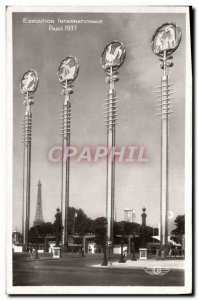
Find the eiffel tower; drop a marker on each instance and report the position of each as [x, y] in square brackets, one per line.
[39, 211]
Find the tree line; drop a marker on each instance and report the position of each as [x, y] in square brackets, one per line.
[79, 224]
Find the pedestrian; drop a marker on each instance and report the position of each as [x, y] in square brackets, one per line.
[157, 254]
[82, 251]
[31, 251]
[162, 254]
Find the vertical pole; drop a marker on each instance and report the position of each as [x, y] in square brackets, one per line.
[122, 260]
[74, 221]
[23, 204]
[164, 155]
[27, 172]
[67, 73]
[24, 186]
[164, 48]
[105, 263]
[66, 120]
[36, 252]
[112, 58]
[129, 244]
[133, 258]
[110, 162]
[28, 178]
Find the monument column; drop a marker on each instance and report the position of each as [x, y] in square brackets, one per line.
[143, 228]
[143, 250]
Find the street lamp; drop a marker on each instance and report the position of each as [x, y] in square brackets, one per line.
[122, 260]
[28, 86]
[105, 263]
[112, 58]
[133, 258]
[36, 250]
[74, 222]
[67, 73]
[165, 41]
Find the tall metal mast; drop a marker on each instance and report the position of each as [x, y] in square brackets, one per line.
[164, 42]
[67, 73]
[28, 86]
[112, 58]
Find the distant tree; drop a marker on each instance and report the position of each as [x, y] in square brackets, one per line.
[131, 227]
[32, 235]
[41, 231]
[125, 228]
[46, 228]
[150, 231]
[155, 231]
[83, 224]
[100, 231]
[176, 234]
[72, 219]
[35, 234]
[78, 240]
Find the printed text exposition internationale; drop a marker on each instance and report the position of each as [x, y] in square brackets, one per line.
[60, 21]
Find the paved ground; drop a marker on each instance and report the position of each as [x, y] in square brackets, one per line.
[142, 264]
[73, 270]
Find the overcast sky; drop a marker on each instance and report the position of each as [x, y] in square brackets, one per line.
[137, 184]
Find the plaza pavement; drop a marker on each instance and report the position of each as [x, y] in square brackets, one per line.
[91, 261]
[73, 270]
[141, 264]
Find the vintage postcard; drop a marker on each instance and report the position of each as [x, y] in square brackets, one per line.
[99, 150]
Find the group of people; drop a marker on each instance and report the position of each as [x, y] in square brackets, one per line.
[162, 254]
[32, 251]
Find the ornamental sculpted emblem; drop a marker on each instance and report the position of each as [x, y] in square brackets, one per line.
[68, 70]
[166, 38]
[29, 82]
[113, 56]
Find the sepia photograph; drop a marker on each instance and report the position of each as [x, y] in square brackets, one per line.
[99, 150]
